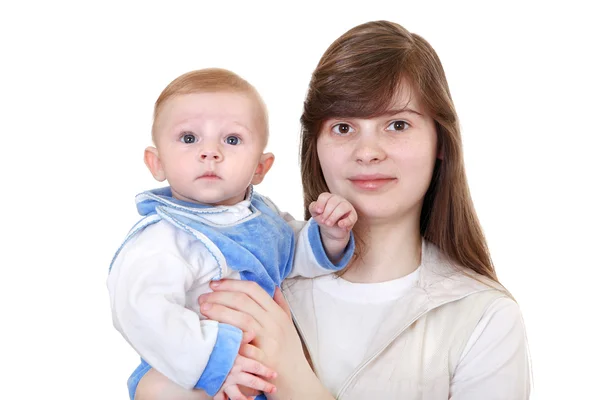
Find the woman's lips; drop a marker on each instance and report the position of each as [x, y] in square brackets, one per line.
[371, 182]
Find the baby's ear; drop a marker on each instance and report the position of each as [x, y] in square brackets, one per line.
[264, 165]
[153, 163]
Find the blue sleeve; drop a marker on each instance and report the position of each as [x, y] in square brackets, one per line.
[219, 364]
[136, 376]
[316, 244]
[221, 359]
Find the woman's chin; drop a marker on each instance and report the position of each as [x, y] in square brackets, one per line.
[387, 213]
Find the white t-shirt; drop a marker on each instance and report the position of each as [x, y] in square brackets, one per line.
[495, 359]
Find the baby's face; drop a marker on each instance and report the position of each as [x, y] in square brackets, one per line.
[210, 144]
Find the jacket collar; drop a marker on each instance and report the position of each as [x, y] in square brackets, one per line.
[440, 282]
[146, 202]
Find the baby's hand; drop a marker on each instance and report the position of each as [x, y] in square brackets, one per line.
[336, 218]
[334, 214]
[246, 372]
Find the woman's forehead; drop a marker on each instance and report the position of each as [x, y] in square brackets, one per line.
[401, 99]
[405, 97]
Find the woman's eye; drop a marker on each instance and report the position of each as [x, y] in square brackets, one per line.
[342, 129]
[232, 140]
[188, 138]
[398, 126]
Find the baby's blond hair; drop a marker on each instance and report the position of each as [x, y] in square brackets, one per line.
[209, 80]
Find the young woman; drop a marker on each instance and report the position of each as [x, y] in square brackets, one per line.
[419, 314]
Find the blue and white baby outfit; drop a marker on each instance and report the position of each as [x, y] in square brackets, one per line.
[168, 260]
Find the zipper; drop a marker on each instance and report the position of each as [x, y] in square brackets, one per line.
[367, 362]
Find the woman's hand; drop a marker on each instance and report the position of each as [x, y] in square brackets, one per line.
[276, 344]
[247, 306]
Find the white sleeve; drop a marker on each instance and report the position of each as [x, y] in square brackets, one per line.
[147, 286]
[495, 361]
[310, 259]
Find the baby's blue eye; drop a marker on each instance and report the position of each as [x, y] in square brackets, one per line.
[232, 140]
[188, 138]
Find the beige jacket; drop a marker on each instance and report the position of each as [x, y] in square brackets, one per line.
[413, 357]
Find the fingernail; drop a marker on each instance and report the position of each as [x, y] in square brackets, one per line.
[205, 306]
[215, 283]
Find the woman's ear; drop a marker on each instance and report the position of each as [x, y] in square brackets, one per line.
[152, 161]
[264, 165]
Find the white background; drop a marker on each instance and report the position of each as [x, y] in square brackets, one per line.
[77, 86]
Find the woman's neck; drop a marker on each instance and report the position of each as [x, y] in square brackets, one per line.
[390, 250]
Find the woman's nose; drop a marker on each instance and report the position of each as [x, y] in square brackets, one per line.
[369, 151]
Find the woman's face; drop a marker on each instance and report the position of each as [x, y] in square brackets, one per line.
[382, 165]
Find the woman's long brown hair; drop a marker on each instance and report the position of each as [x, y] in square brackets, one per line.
[357, 77]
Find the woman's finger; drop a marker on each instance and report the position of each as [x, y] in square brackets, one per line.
[282, 302]
[248, 337]
[235, 300]
[251, 289]
[227, 315]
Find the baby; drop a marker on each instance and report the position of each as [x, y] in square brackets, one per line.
[210, 131]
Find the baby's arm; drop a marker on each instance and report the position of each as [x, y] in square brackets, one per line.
[147, 286]
[315, 255]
